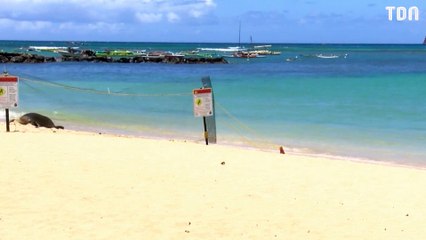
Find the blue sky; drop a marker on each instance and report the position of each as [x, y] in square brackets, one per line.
[281, 21]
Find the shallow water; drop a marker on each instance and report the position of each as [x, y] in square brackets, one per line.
[368, 102]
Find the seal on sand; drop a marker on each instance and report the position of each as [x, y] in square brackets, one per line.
[37, 120]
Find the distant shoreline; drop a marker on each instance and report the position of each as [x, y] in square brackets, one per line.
[230, 43]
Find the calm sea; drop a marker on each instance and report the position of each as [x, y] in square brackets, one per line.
[361, 101]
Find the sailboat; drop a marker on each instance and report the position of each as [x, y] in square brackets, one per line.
[228, 50]
[240, 53]
[424, 41]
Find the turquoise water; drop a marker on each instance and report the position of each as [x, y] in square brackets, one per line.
[368, 102]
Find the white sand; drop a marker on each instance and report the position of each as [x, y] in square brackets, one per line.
[73, 185]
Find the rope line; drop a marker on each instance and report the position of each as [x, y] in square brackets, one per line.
[243, 138]
[100, 92]
[242, 127]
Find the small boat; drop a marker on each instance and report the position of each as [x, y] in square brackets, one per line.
[243, 54]
[331, 56]
[240, 53]
[70, 52]
[264, 50]
[424, 41]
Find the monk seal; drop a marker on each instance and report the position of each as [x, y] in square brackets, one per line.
[37, 120]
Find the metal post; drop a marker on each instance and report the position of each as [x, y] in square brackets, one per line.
[210, 121]
[206, 133]
[7, 120]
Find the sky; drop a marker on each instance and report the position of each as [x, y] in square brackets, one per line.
[262, 21]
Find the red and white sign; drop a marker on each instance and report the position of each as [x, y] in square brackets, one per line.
[203, 102]
[8, 91]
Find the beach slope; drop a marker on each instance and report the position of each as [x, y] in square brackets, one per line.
[58, 184]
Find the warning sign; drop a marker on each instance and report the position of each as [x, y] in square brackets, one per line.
[203, 102]
[8, 91]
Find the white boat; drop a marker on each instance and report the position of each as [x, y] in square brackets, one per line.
[241, 54]
[327, 56]
[331, 56]
[232, 50]
[264, 50]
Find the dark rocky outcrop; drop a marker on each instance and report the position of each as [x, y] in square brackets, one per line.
[24, 58]
[90, 56]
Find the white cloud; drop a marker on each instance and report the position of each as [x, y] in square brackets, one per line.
[4, 22]
[33, 25]
[210, 3]
[80, 18]
[24, 25]
[145, 11]
[172, 17]
[196, 13]
[149, 17]
[91, 27]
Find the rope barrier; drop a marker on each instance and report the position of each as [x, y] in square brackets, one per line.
[239, 126]
[100, 92]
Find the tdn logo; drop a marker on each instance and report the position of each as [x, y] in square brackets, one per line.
[402, 13]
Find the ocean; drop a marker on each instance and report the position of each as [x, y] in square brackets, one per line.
[360, 101]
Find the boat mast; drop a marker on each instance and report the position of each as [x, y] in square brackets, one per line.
[239, 35]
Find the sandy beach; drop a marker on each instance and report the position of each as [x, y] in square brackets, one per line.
[60, 184]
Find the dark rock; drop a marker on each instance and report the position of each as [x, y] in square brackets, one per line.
[90, 56]
[138, 59]
[50, 59]
[3, 59]
[88, 52]
[17, 59]
[123, 60]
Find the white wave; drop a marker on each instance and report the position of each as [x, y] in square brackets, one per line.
[228, 49]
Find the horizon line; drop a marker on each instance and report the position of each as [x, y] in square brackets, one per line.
[189, 42]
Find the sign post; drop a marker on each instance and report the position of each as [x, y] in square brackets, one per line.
[8, 94]
[210, 120]
[206, 132]
[203, 107]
